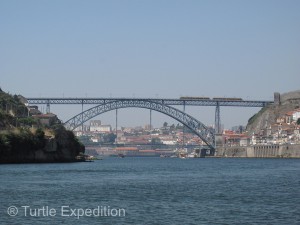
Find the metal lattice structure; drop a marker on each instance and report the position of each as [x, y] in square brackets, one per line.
[193, 102]
[196, 126]
[217, 120]
[159, 104]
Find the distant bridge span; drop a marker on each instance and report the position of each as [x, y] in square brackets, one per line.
[166, 101]
[158, 104]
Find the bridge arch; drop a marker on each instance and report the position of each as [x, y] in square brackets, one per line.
[195, 125]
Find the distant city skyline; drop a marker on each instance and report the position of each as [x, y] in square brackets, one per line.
[167, 49]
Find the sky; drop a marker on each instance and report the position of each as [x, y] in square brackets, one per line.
[155, 48]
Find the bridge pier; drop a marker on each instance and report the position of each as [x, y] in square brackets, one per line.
[116, 126]
[183, 128]
[217, 119]
[150, 120]
[82, 116]
[48, 107]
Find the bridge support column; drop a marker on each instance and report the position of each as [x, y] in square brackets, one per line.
[116, 126]
[183, 129]
[217, 119]
[48, 107]
[150, 120]
[151, 128]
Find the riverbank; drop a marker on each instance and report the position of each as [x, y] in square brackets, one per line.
[260, 151]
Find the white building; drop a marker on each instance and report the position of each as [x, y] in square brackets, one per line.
[296, 115]
[95, 139]
[105, 128]
[95, 125]
[169, 142]
[85, 128]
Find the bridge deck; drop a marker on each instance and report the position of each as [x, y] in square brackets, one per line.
[192, 102]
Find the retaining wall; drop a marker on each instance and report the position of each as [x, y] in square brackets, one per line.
[260, 151]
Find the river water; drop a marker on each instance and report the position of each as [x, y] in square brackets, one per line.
[152, 191]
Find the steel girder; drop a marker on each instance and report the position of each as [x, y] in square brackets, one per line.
[196, 126]
[98, 101]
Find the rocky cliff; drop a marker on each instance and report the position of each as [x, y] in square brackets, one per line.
[268, 115]
[26, 146]
[21, 143]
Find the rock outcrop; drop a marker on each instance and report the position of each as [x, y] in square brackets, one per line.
[28, 147]
[20, 142]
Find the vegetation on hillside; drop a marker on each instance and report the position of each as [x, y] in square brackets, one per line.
[256, 115]
[13, 113]
[10, 141]
[21, 136]
[11, 104]
[61, 134]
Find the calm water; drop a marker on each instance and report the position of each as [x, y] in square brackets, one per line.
[153, 191]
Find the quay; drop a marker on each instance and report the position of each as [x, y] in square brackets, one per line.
[260, 151]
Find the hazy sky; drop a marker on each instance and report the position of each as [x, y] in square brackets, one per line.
[154, 48]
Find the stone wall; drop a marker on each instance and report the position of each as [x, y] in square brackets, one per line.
[260, 151]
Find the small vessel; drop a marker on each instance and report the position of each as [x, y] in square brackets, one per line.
[121, 155]
[192, 155]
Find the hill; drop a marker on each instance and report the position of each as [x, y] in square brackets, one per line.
[268, 115]
[23, 139]
[11, 108]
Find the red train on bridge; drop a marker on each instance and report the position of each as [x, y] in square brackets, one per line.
[207, 98]
[194, 98]
[228, 99]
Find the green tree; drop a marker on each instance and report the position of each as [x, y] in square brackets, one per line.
[29, 121]
[298, 121]
[109, 138]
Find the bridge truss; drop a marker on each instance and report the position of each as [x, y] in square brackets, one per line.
[196, 126]
[192, 102]
[157, 104]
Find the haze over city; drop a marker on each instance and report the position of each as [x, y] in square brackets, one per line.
[156, 49]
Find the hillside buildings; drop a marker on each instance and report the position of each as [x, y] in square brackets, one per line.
[96, 126]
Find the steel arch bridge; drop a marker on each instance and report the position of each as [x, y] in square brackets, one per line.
[195, 125]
